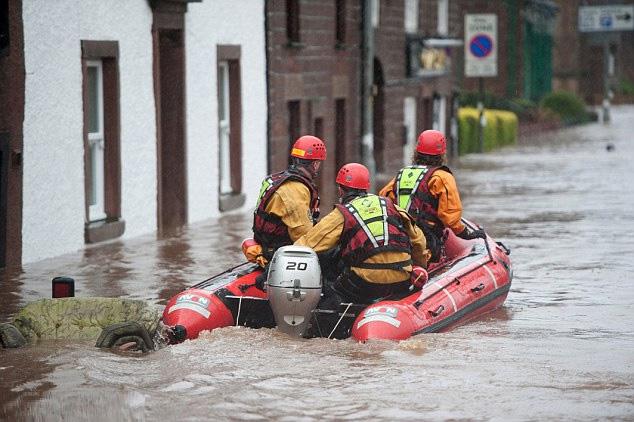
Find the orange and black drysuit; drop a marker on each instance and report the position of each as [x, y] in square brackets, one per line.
[288, 205]
[378, 245]
[430, 195]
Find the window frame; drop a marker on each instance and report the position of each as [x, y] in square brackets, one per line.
[376, 13]
[340, 23]
[224, 128]
[442, 27]
[5, 28]
[96, 161]
[107, 54]
[411, 20]
[228, 57]
[293, 23]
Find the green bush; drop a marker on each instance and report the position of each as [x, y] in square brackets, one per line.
[500, 130]
[524, 109]
[567, 106]
[626, 87]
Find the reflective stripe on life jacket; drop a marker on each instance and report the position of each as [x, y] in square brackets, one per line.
[372, 224]
[269, 230]
[413, 195]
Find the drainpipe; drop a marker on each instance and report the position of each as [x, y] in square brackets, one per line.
[267, 45]
[367, 99]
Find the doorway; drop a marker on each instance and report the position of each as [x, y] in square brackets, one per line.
[4, 173]
[172, 186]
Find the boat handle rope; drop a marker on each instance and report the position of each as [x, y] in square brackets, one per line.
[439, 310]
[240, 303]
[478, 288]
[239, 308]
[338, 322]
[486, 241]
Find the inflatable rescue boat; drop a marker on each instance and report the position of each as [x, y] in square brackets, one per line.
[473, 278]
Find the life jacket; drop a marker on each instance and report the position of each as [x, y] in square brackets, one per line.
[372, 224]
[413, 195]
[269, 230]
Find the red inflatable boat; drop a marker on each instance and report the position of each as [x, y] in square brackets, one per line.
[474, 279]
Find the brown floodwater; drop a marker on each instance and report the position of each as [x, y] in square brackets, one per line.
[561, 348]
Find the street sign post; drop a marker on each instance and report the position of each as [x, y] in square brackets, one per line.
[480, 40]
[481, 56]
[601, 20]
[606, 18]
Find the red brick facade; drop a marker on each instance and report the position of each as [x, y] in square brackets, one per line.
[308, 74]
[391, 63]
[312, 75]
[578, 58]
[510, 40]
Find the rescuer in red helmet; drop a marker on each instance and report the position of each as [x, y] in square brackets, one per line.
[288, 204]
[428, 191]
[378, 242]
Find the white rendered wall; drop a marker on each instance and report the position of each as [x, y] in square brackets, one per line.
[53, 207]
[235, 22]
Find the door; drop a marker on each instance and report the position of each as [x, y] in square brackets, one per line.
[172, 187]
[538, 55]
[4, 173]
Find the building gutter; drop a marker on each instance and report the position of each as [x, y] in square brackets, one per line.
[367, 82]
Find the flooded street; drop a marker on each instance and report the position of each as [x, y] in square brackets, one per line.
[561, 348]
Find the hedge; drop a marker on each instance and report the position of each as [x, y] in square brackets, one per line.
[500, 129]
[568, 107]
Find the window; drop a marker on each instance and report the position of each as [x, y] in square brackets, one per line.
[294, 124]
[4, 27]
[318, 131]
[443, 17]
[376, 12]
[229, 127]
[439, 119]
[409, 121]
[96, 142]
[292, 21]
[411, 16]
[340, 19]
[340, 132]
[224, 128]
[102, 156]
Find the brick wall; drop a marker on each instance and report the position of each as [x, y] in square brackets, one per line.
[316, 73]
[390, 54]
[509, 74]
[578, 58]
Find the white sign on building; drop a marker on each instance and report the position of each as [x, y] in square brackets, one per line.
[606, 18]
[480, 45]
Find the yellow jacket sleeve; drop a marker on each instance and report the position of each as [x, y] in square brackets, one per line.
[420, 253]
[291, 202]
[442, 185]
[325, 234]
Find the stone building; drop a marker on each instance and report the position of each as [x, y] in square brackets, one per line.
[590, 62]
[316, 68]
[314, 65]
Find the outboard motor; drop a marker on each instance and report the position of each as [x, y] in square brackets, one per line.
[294, 287]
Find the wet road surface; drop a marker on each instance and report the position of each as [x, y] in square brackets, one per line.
[562, 347]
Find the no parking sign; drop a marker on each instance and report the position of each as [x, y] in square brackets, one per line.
[480, 41]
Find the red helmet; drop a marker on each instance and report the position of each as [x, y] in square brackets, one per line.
[431, 142]
[354, 175]
[309, 147]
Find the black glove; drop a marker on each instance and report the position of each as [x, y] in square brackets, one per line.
[468, 234]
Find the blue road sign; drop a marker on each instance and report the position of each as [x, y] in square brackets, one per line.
[481, 45]
[605, 21]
